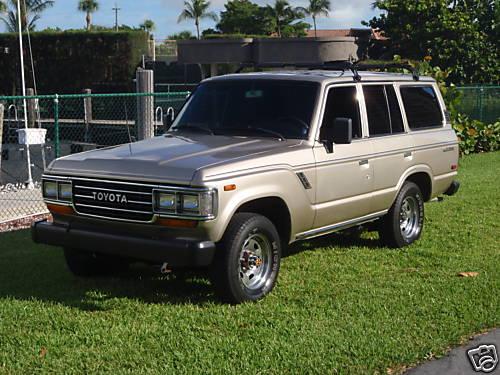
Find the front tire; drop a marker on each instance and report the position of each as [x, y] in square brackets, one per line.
[87, 264]
[404, 222]
[248, 258]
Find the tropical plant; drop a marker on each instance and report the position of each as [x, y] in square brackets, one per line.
[283, 15]
[460, 35]
[196, 10]
[315, 9]
[245, 17]
[89, 7]
[30, 13]
[148, 25]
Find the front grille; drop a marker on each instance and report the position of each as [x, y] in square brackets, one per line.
[113, 199]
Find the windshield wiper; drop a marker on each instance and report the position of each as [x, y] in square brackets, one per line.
[268, 131]
[196, 128]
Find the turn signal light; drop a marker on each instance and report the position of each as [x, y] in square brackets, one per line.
[454, 167]
[60, 210]
[230, 187]
[177, 223]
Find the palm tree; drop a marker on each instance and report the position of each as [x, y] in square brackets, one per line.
[148, 25]
[196, 10]
[30, 13]
[317, 8]
[89, 7]
[281, 12]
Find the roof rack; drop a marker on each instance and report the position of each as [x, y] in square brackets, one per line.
[336, 65]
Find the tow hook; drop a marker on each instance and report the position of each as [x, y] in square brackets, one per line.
[165, 269]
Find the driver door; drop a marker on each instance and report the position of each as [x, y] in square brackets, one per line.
[345, 175]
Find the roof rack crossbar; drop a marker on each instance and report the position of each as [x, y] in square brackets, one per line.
[334, 65]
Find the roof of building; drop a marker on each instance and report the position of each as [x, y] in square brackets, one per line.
[341, 33]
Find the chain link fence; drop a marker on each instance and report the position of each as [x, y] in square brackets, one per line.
[480, 102]
[72, 124]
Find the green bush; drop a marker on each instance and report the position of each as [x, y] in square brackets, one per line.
[476, 136]
[69, 61]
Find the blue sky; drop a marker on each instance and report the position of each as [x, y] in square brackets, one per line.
[64, 14]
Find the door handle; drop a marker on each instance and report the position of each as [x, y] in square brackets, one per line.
[363, 162]
[407, 154]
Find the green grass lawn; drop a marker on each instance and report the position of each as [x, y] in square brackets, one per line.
[343, 304]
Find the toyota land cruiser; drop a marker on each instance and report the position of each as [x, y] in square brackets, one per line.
[253, 163]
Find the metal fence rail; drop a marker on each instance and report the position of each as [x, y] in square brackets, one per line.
[73, 123]
[480, 102]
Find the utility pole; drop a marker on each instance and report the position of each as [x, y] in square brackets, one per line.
[116, 9]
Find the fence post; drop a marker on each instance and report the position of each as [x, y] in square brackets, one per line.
[1, 139]
[87, 109]
[31, 103]
[57, 145]
[145, 104]
[481, 110]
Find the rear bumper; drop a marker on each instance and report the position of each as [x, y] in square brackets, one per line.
[452, 190]
[177, 252]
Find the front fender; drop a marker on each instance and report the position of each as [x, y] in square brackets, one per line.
[280, 183]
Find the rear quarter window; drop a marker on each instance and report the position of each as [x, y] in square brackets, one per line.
[422, 107]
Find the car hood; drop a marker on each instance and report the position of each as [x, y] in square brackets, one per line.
[171, 158]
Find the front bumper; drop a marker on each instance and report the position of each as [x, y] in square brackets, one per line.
[177, 252]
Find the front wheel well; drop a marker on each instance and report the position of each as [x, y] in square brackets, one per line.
[276, 210]
[424, 182]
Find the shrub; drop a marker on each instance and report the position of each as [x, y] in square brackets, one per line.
[476, 136]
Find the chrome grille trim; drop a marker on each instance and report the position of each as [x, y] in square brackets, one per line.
[114, 209]
[113, 190]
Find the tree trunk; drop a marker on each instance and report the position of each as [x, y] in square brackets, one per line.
[315, 29]
[89, 21]
[197, 28]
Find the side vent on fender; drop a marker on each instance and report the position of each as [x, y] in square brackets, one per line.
[302, 177]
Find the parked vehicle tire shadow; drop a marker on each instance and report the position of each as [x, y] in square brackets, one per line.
[30, 271]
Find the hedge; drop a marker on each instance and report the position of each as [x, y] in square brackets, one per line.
[70, 61]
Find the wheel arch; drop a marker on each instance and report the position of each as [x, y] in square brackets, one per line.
[275, 209]
[420, 175]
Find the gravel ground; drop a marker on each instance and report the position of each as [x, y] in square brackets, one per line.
[21, 223]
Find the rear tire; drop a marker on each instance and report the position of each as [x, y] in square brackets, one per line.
[87, 264]
[247, 261]
[404, 222]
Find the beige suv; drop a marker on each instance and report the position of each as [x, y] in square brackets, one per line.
[253, 163]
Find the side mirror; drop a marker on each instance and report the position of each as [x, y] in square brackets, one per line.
[342, 131]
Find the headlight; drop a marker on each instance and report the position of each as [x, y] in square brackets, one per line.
[194, 204]
[190, 203]
[50, 189]
[65, 192]
[166, 201]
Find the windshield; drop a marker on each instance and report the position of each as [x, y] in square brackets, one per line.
[268, 108]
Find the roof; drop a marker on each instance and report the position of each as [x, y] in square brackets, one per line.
[375, 34]
[322, 76]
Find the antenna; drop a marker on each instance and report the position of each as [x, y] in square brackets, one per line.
[116, 9]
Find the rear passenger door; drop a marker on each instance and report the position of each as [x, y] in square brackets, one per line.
[391, 143]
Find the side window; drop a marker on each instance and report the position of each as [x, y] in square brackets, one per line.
[394, 110]
[382, 107]
[379, 121]
[342, 102]
[422, 107]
